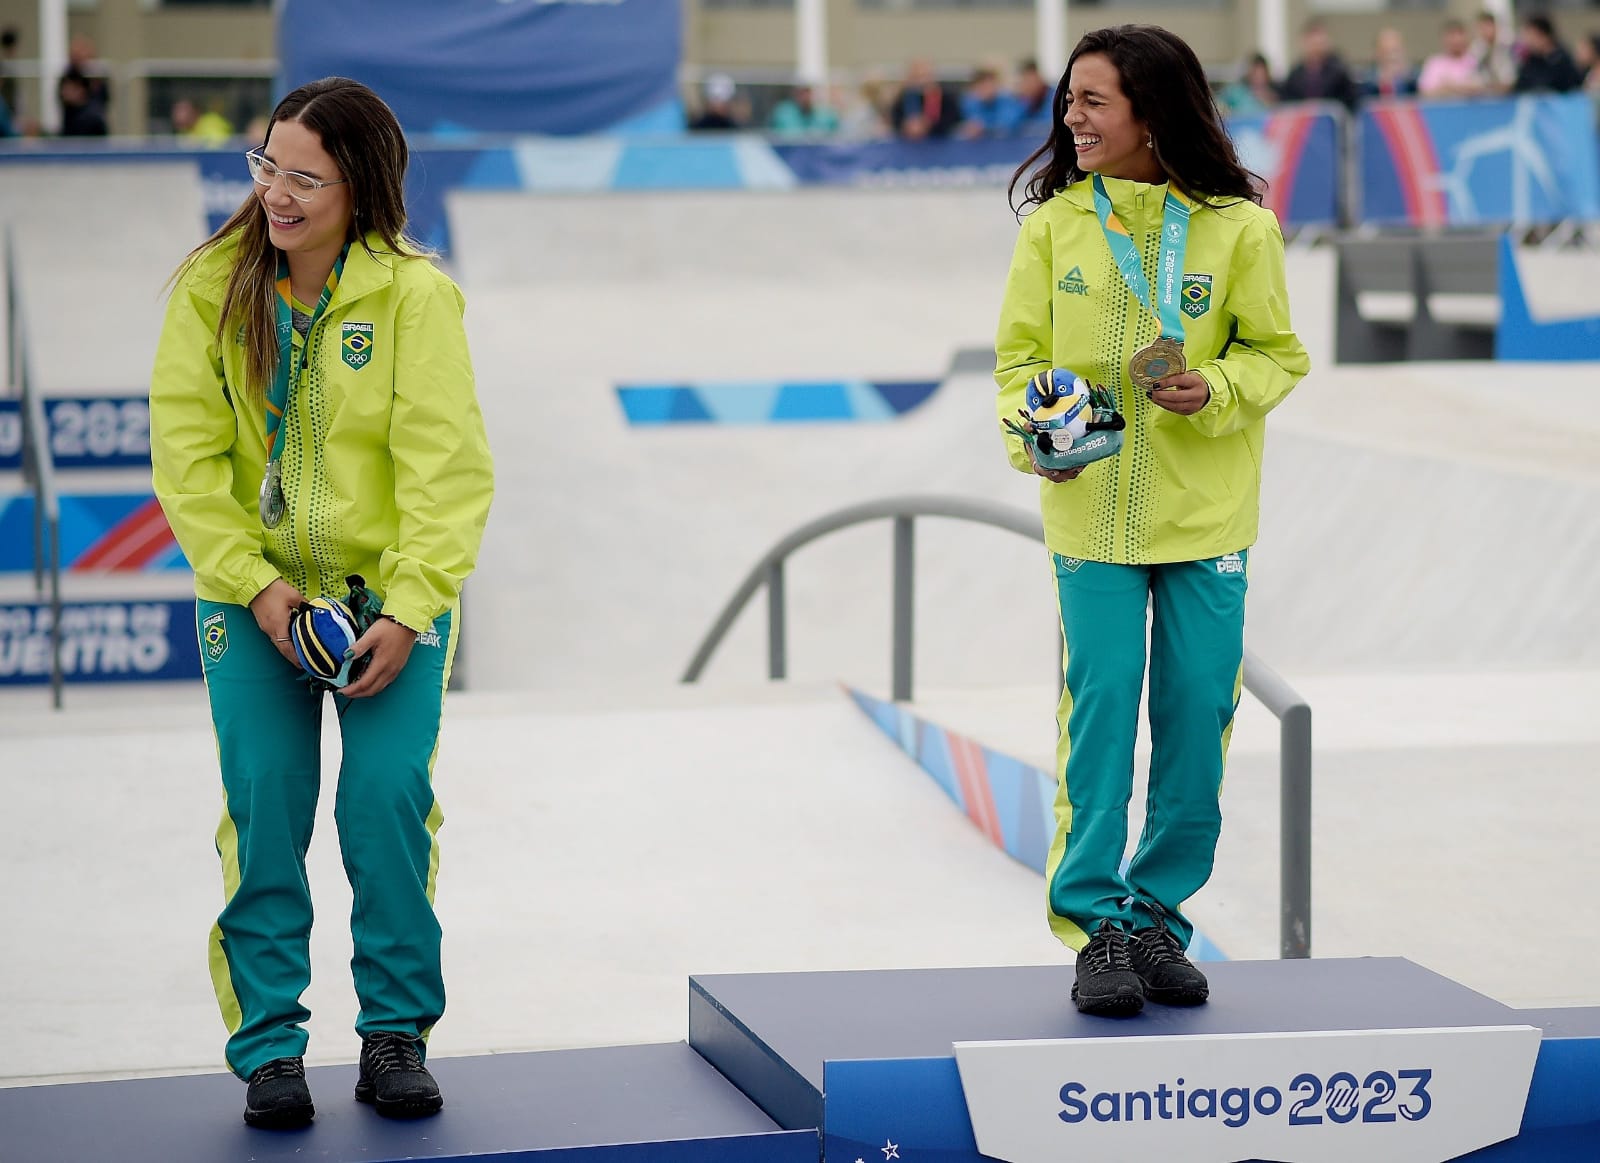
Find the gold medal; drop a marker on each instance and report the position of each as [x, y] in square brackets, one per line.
[270, 500]
[1162, 358]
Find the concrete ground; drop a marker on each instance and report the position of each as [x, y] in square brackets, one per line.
[1429, 535]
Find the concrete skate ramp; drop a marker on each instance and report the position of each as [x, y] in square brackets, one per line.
[591, 860]
[1414, 516]
[95, 247]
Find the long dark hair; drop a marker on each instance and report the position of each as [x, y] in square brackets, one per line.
[1163, 80]
[362, 135]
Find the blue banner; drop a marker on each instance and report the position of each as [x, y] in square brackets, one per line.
[1528, 160]
[100, 533]
[983, 162]
[101, 642]
[1296, 151]
[1464, 163]
[99, 432]
[492, 66]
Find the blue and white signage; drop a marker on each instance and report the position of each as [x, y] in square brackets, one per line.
[103, 432]
[101, 642]
[1402, 1096]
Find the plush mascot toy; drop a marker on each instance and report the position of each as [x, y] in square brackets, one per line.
[323, 631]
[1067, 423]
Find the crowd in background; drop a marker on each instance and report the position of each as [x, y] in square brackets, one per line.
[1477, 61]
[83, 93]
[991, 101]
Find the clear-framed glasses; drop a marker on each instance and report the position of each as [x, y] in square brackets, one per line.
[301, 187]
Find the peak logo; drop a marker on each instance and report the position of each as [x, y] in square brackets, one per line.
[1072, 283]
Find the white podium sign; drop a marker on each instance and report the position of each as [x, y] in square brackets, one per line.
[1381, 1096]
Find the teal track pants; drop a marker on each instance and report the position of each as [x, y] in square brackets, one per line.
[268, 724]
[1194, 613]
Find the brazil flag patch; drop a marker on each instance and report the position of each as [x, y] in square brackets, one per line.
[214, 636]
[355, 342]
[1196, 295]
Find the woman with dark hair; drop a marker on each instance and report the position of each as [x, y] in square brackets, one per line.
[1138, 175]
[314, 423]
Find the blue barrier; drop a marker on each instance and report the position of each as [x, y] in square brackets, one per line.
[1297, 151]
[1529, 160]
[1519, 336]
[1465, 163]
[99, 432]
[109, 641]
[771, 403]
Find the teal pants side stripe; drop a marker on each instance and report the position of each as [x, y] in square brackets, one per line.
[268, 726]
[1193, 614]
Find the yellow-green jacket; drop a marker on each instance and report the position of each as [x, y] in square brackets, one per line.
[1183, 488]
[386, 465]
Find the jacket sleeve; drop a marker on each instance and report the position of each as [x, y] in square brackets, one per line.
[443, 474]
[192, 432]
[1265, 359]
[1024, 342]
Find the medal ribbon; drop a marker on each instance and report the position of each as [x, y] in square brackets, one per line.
[291, 350]
[1174, 241]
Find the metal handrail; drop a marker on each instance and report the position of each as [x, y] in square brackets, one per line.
[38, 465]
[1273, 692]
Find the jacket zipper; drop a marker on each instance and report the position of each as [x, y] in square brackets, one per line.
[302, 526]
[1134, 316]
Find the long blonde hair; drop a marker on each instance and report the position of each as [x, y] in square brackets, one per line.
[361, 134]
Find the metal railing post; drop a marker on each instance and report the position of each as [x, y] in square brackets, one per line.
[56, 677]
[1294, 835]
[777, 633]
[904, 613]
[1294, 804]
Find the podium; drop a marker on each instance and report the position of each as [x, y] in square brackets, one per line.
[867, 1057]
[630, 1104]
[877, 1066]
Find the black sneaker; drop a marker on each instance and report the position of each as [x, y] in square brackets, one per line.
[394, 1079]
[1107, 984]
[278, 1098]
[1168, 976]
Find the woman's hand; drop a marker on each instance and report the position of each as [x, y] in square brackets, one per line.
[1058, 476]
[1184, 393]
[390, 644]
[272, 607]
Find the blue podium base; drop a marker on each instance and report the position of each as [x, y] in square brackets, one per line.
[867, 1056]
[628, 1104]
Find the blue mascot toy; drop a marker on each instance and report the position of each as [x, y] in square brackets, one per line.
[323, 631]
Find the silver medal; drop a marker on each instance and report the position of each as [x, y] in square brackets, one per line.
[271, 499]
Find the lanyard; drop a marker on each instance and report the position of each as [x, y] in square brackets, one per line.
[1174, 240]
[291, 349]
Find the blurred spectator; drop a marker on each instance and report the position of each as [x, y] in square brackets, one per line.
[255, 130]
[83, 92]
[1035, 100]
[8, 79]
[1452, 71]
[1545, 65]
[719, 111]
[208, 128]
[1320, 75]
[8, 127]
[924, 108]
[799, 113]
[1392, 74]
[1254, 92]
[1587, 57]
[861, 114]
[1495, 66]
[987, 110]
